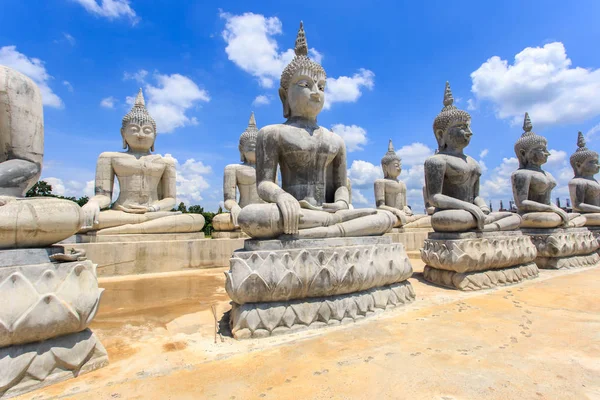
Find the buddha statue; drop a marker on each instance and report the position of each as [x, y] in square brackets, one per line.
[584, 189]
[241, 176]
[147, 185]
[390, 193]
[532, 186]
[452, 178]
[27, 222]
[304, 151]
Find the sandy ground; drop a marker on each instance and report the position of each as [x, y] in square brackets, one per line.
[536, 340]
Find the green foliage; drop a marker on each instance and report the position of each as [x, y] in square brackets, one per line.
[43, 189]
[208, 216]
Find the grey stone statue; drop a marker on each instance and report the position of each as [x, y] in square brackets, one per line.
[452, 178]
[532, 186]
[242, 178]
[303, 150]
[584, 188]
[390, 193]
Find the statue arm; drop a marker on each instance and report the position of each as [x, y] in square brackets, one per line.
[379, 194]
[229, 187]
[403, 201]
[520, 184]
[478, 200]
[340, 177]
[267, 158]
[577, 192]
[105, 180]
[168, 184]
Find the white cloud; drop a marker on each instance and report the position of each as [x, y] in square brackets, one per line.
[484, 153]
[70, 188]
[34, 68]
[414, 154]
[138, 76]
[69, 39]
[261, 100]
[68, 86]
[108, 102]
[358, 197]
[111, 9]
[251, 45]
[591, 134]
[363, 174]
[191, 183]
[169, 101]
[354, 136]
[541, 81]
[347, 89]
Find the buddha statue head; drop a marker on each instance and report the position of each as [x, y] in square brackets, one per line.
[452, 126]
[247, 144]
[584, 161]
[391, 163]
[302, 84]
[531, 149]
[138, 128]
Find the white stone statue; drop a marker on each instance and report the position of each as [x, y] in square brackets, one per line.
[390, 193]
[147, 185]
[242, 178]
[584, 188]
[27, 222]
[303, 150]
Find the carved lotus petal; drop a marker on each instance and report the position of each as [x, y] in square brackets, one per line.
[73, 358]
[270, 315]
[253, 288]
[80, 291]
[324, 314]
[43, 365]
[94, 310]
[381, 298]
[4, 333]
[13, 367]
[365, 304]
[351, 308]
[271, 269]
[22, 295]
[289, 317]
[252, 319]
[351, 281]
[337, 309]
[306, 312]
[305, 266]
[48, 282]
[288, 287]
[238, 271]
[322, 284]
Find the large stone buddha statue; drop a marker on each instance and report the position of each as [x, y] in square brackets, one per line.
[452, 178]
[532, 186]
[304, 151]
[390, 193]
[242, 178]
[27, 222]
[147, 185]
[584, 188]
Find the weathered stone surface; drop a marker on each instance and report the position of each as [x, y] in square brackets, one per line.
[564, 247]
[47, 300]
[583, 188]
[267, 319]
[149, 237]
[411, 238]
[481, 279]
[580, 261]
[24, 368]
[229, 235]
[314, 268]
[477, 251]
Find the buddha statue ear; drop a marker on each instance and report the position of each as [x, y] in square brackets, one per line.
[125, 145]
[440, 139]
[286, 107]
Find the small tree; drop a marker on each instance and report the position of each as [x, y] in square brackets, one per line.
[181, 207]
[41, 188]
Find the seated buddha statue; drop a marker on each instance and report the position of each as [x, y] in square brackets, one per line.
[390, 193]
[240, 177]
[452, 178]
[584, 189]
[147, 185]
[27, 222]
[304, 151]
[532, 186]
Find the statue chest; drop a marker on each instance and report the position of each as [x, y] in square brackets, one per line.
[246, 176]
[143, 167]
[461, 172]
[306, 153]
[542, 183]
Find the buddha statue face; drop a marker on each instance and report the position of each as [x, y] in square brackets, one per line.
[392, 169]
[248, 150]
[588, 167]
[536, 155]
[305, 96]
[138, 137]
[458, 135]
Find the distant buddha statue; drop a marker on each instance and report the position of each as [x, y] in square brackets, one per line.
[452, 178]
[242, 178]
[27, 222]
[304, 151]
[584, 189]
[147, 185]
[532, 186]
[390, 193]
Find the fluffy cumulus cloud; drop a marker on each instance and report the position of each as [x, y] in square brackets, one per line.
[108, 102]
[354, 136]
[169, 99]
[251, 45]
[111, 9]
[191, 181]
[34, 68]
[261, 100]
[592, 134]
[70, 188]
[363, 174]
[542, 81]
[358, 197]
[414, 154]
[68, 85]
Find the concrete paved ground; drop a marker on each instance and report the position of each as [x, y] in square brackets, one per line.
[537, 340]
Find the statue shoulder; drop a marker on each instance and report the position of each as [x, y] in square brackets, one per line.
[270, 130]
[232, 167]
[435, 161]
[109, 155]
[167, 160]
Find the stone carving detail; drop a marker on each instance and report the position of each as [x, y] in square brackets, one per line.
[47, 300]
[478, 254]
[580, 261]
[563, 242]
[481, 280]
[295, 274]
[34, 365]
[266, 319]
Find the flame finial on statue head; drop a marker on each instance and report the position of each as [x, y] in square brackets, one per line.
[138, 115]
[301, 62]
[449, 114]
[527, 141]
[301, 47]
[448, 99]
[248, 136]
[139, 99]
[527, 126]
[581, 154]
[390, 156]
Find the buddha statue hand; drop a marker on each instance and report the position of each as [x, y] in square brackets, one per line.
[562, 214]
[334, 207]
[136, 209]
[290, 211]
[478, 214]
[407, 211]
[235, 211]
[400, 214]
[91, 211]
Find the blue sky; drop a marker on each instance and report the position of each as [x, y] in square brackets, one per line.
[205, 66]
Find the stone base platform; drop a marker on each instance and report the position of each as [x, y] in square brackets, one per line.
[28, 367]
[229, 235]
[411, 238]
[564, 248]
[478, 260]
[152, 253]
[279, 286]
[481, 280]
